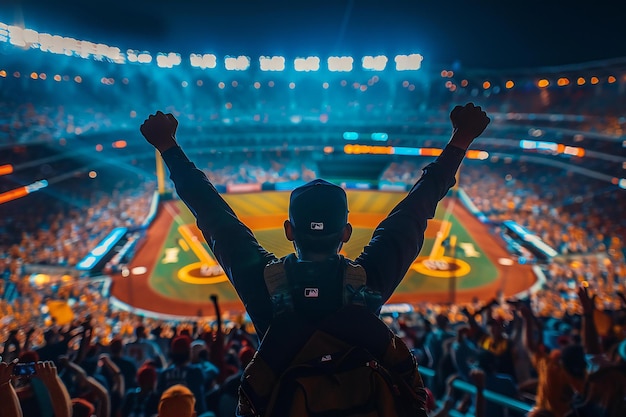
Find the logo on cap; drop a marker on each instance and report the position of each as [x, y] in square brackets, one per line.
[311, 292]
[317, 226]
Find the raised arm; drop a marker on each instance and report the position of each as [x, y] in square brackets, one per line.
[9, 403]
[59, 397]
[530, 343]
[116, 375]
[103, 403]
[230, 240]
[217, 345]
[590, 338]
[399, 237]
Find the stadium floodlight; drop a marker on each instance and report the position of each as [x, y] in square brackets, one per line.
[168, 60]
[203, 61]
[411, 62]
[16, 36]
[622, 183]
[31, 36]
[311, 63]
[350, 135]
[340, 63]
[374, 63]
[380, 136]
[46, 42]
[274, 63]
[4, 32]
[240, 63]
[144, 58]
[132, 56]
[86, 50]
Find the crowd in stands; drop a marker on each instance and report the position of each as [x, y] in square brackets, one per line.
[560, 349]
[551, 364]
[268, 168]
[453, 340]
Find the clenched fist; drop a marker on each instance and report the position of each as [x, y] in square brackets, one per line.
[160, 130]
[468, 122]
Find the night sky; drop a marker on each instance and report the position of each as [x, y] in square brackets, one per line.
[476, 34]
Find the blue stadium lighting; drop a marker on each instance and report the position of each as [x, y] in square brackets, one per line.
[547, 146]
[97, 253]
[274, 63]
[380, 136]
[340, 63]
[350, 135]
[374, 63]
[36, 186]
[622, 183]
[401, 150]
[311, 63]
[411, 62]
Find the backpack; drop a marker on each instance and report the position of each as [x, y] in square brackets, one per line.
[346, 364]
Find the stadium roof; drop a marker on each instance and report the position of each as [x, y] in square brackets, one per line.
[495, 35]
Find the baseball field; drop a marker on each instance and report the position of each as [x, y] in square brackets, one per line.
[174, 271]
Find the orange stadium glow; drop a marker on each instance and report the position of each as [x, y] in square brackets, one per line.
[431, 152]
[13, 195]
[367, 149]
[6, 169]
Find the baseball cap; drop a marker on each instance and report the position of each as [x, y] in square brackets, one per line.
[177, 401]
[181, 344]
[318, 209]
[146, 376]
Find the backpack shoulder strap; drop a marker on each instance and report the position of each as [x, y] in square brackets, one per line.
[278, 286]
[354, 284]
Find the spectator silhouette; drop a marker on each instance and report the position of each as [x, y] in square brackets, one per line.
[317, 225]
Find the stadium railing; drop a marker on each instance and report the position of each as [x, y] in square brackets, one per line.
[490, 396]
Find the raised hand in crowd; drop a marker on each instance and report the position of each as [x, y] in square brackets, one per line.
[479, 379]
[59, 396]
[587, 302]
[591, 339]
[9, 403]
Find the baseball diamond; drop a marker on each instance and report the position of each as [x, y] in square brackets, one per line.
[458, 262]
